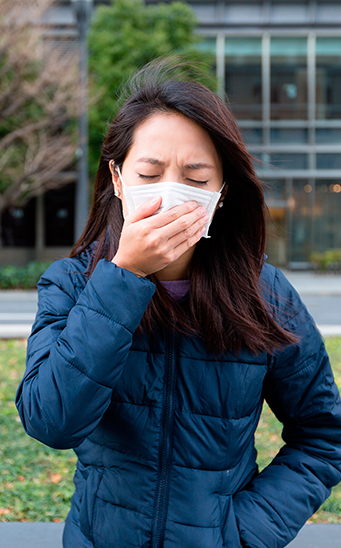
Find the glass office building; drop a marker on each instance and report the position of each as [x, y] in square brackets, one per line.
[280, 65]
[279, 62]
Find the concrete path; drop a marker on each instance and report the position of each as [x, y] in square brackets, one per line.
[318, 536]
[17, 313]
[49, 535]
[310, 283]
[31, 535]
[321, 294]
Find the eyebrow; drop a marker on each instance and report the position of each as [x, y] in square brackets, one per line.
[152, 161]
[156, 162]
[198, 166]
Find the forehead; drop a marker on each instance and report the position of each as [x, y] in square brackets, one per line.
[171, 134]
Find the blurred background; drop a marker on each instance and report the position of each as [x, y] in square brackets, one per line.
[278, 62]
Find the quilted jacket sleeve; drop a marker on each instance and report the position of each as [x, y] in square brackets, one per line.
[300, 390]
[78, 348]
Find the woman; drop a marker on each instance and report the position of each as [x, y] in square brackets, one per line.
[154, 345]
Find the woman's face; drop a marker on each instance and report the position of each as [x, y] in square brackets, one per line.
[170, 147]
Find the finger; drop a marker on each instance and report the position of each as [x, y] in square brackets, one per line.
[144, 210]
[186, 244]
[197, 225]
[190, 232]
[183, 223]
[171, 215]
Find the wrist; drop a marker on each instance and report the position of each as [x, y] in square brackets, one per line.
[115, 260]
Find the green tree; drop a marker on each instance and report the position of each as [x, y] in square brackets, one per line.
[125, 36]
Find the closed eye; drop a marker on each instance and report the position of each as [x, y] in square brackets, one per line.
[197, 182]
[149, 177]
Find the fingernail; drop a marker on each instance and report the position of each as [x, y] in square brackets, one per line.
[206, 218]
[155, 200]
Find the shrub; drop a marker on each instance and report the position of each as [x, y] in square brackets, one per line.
[329, 261]
[22, 277]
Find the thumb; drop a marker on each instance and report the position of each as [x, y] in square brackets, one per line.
[145, 210]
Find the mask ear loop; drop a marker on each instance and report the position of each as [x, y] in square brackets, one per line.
[221, 203]
[120, 176]
[115, 169]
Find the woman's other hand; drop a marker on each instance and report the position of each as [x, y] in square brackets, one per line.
[150, 242]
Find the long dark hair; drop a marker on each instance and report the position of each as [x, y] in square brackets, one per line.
[225, 306]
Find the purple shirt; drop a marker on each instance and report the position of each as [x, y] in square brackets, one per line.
[176, 288]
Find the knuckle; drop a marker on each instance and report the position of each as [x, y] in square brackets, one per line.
[191, 230]
[170, 256]
[190, 206]
[161, 252]
[153, 243]
[183, 222]
[191, 241]
[144, 231]
[172, 214]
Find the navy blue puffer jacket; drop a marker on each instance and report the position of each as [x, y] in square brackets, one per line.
[163, 430]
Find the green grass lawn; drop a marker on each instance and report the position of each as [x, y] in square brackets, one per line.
[36, 481]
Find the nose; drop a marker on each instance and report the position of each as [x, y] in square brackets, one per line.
[173, 174]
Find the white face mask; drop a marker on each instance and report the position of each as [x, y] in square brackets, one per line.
[172, 194]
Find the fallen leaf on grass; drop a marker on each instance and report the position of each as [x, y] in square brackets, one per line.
[21, 478]
[310, 520]
[56, 520]
[56, 478]
[5, 511]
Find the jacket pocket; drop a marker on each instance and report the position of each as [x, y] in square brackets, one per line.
[229, 528]
[87, 504]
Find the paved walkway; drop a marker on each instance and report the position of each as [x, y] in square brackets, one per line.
[17, 308]
[17, 312]
[49, 535]
[311, 288]
[31, 535]
[310, 283]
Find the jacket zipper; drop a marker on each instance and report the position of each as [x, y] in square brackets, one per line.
[165, 447]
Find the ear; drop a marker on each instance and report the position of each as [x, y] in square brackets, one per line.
[115, 178]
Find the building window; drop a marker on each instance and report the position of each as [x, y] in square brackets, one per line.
[327, 219]
[243, 77]
[300, 221]
[328, 161]
[277, 198]
[18, 226]
[59, 216]
[288, 161]
[289, 79]
[252, 136]
[328, 78]
[280, 136]
[326, 136]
